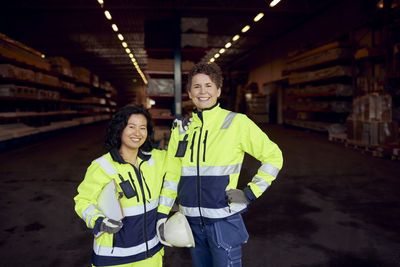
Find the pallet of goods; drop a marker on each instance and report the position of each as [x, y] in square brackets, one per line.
[370, 126]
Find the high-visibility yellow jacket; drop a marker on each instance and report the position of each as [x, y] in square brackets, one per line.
[205, 161]
[137, 239]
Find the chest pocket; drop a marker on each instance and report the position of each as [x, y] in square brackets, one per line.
[182, 146]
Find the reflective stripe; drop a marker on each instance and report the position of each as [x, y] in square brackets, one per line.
[106, 165]
[137, 210]
[90, 218]
[213, 213]
[212, 170]
[170, 185]
[269, 169]
[151, 161]
[228, 120]
[87, 211]
[260, 182]
[166, 201]
[123, 252]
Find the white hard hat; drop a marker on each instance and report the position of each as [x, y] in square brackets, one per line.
[177, 231]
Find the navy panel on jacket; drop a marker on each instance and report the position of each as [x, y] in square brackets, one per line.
[131, 234]
[212, 191]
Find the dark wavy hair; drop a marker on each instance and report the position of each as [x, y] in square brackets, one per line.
[118, 124]
[211, 69]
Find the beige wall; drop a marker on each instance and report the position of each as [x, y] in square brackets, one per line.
[269, 72]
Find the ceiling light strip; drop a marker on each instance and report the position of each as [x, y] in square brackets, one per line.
[246, 28]
[124, 44]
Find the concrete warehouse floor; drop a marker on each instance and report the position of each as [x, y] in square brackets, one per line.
[330, 206]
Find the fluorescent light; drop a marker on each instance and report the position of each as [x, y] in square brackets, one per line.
[120, 37]
[108, 15]
[216, 55]
[127, 50]
[228, 45]
[114, 27]
[222, 50]
[131, 55]
[133, 60]
[258, 17]
[212, 59]
[235, 38]
[274, 3]
[124, 44]
[245, 28]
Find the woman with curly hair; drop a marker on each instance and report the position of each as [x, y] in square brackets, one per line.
[204, 164]
[138, 171]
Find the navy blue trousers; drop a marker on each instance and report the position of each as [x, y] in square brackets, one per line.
[219, 244]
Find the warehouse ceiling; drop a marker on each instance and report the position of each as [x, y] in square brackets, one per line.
[80, 32]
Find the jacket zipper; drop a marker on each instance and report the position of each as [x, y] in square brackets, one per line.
[113, 242]
[144, 206]
[204, 151]
[191, 147]
[198, 177]
[145, 183]
[137, 195]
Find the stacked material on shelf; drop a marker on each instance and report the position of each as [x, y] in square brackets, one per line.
[12, 72]
[322, 106]
[335, 89]
[61, 65]
[67, 85]
[47, 79]
[160, 113]
[82, 89]
[16, 130]
[16, 51]
[335, 51]
[321, 74]
[371, 120]
[160, 86]
[95, 80]
[258, 104]
[166, 65]
[48, 94]
[162, 134]
[106, 85]
[373, 107]
[13, 90]
[81, 74]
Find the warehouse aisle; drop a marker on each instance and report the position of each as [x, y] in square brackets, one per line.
[330, 206]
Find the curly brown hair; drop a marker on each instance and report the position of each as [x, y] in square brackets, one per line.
[211, 69]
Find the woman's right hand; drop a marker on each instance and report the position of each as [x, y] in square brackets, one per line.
[110, 226]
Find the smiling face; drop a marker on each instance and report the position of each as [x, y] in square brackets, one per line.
[135, 132]
[203, 91]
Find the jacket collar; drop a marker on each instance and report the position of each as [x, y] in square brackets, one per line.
[206, 113]
[144, 156]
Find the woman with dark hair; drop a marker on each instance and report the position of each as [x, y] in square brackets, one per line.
[138, 171]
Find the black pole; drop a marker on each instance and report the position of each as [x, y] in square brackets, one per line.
[177, 67]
